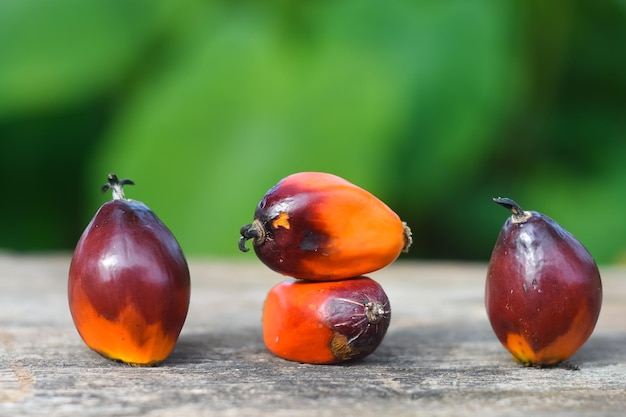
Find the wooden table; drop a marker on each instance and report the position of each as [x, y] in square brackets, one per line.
[439, 358]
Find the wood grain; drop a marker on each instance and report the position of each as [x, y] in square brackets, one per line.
[439, 358]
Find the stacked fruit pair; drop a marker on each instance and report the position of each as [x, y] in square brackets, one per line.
[324, 232]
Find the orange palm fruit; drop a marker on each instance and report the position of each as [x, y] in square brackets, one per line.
[325, 322]
[320, 227]
[129, 285]
[543, 292]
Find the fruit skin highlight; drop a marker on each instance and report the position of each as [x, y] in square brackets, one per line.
[320, 227]
[543, 292]
[325, 322]
[129, 284]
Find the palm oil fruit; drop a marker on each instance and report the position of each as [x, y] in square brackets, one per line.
[325, 322]
[543, 292]
[320, 227]
[129, 284]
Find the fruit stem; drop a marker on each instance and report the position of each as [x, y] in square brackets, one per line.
[254, 231]
[519, 215]
[117, 186]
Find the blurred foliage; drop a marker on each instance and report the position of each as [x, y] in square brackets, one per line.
[435, 107]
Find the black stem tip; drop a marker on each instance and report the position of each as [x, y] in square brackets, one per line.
[519, 215]
[117, 186]
[250, 231]
[113, 181]
[509, 204]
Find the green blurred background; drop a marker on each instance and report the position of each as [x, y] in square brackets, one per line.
[434, 106]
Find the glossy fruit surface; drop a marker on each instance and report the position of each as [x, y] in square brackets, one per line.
[325, 322]
[129, 285]
[543, 292]
[318, 226]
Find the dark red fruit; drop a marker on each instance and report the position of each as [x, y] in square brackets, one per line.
[129, 283]
[543, 292]
[320, 227]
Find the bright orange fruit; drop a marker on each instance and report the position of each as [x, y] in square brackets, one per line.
[325, 322]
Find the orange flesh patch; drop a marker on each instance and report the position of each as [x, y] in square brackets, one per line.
[129, 338]
[559, 350]
[520, 349]
[282, 220]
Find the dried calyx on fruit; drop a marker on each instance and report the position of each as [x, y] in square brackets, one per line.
[129, 285]
[543, 291]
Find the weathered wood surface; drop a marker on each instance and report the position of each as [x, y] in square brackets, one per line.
[439, 358]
